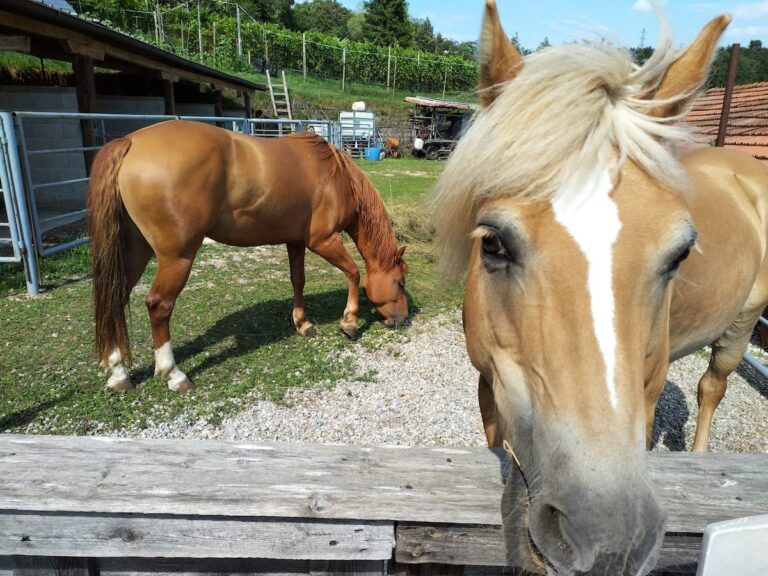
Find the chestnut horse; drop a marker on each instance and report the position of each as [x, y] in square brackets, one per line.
[598, 245]
[164, 188]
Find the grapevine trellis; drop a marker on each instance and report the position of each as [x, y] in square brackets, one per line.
[235, 41]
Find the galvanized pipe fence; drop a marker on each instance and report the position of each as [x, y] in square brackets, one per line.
[44, 180]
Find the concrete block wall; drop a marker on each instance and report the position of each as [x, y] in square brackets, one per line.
[128, 105]
[50, 134]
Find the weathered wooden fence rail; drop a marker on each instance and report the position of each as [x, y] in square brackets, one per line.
[79, 506]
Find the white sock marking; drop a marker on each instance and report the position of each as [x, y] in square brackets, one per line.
[119, 373]
[592, 220]
[165, 364]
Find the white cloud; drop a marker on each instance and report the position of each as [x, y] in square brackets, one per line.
[747, 31]
[753, 10]
[647, 5]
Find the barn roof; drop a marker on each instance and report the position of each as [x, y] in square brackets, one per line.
[47, 31]
[747, 121]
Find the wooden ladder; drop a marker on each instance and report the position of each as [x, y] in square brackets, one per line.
[281, 101]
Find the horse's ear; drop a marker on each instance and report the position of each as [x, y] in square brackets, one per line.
[499, 60]
[401, 251]
[689, 70]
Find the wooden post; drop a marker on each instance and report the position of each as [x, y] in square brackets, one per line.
[304, 53]
[85, 88]
[445, 80]
[394, 77]
[389, 64]
[733, 65]
[239, 37]
[199, 33]
[247, 103]
[168, 96]
[343, 68]
[218, 105]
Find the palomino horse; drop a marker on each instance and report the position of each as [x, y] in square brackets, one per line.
[164, 188]
[574, 208]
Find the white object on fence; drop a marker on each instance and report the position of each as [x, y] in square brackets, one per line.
[735, 547]
[358, 106]
[418, 144]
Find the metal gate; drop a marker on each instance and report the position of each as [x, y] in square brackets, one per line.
[44, 181]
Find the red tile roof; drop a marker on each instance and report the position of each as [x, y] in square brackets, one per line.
[747, 121]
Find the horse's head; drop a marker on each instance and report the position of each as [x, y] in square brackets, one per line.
[385, 288]
[564, 200]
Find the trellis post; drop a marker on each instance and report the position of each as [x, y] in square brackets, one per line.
[343, 69]
[389, 64]
[304, 53]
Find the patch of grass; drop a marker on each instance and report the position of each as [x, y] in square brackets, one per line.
[232, 330]
[327, 93]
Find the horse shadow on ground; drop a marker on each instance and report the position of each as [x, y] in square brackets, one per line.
[671, 416]
[265, 323]
[24, 416]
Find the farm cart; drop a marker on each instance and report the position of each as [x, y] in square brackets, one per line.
[437, 125]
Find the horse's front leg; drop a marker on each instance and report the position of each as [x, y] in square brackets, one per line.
[296, 260]
[332, 249]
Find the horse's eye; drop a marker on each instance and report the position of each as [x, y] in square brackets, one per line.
[492, 245]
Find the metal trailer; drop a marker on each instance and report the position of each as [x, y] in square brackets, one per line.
[437, 125]
[44, 181]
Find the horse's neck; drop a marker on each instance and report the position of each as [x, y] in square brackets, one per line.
[377, 247]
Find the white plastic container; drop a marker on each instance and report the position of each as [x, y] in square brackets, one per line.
[735, 547]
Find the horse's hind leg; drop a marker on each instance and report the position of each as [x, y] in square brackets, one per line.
[172, 275]
[296, 259]
[727, 353]
[137, 254]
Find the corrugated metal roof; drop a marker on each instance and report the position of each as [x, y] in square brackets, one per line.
[58, 4]
[747, 121]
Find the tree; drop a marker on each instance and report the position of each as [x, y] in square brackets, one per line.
[387, 23]
[752, 67]
[543, 44]
[424, 35]
[327, 16]
[355, 26]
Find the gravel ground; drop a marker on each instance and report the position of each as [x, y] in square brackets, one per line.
[422, 390]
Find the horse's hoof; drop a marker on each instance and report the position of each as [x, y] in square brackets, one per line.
[350, 330]
[307, 331]
[183, 385]
[119, 384]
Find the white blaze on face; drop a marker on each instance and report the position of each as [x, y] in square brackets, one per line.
[591, 217]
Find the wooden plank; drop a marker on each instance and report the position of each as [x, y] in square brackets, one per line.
[248, 479]
[200, 567]
[92, 49]
[484, 546]
[432, 485]
[93, 535]
[6, 566]
[15, 43]
[46, 566]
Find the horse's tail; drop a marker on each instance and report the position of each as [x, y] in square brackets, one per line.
[106, 226]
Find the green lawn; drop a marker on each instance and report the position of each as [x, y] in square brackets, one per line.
[232, 329]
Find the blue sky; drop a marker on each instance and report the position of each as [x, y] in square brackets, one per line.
[566, 20]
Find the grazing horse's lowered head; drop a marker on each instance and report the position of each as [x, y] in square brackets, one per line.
[565, 202]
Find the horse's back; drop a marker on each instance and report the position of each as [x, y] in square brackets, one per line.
[727, 271]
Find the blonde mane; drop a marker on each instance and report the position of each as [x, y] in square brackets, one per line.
[553, 124]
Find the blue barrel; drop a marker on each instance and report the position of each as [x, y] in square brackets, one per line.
[372, 153]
